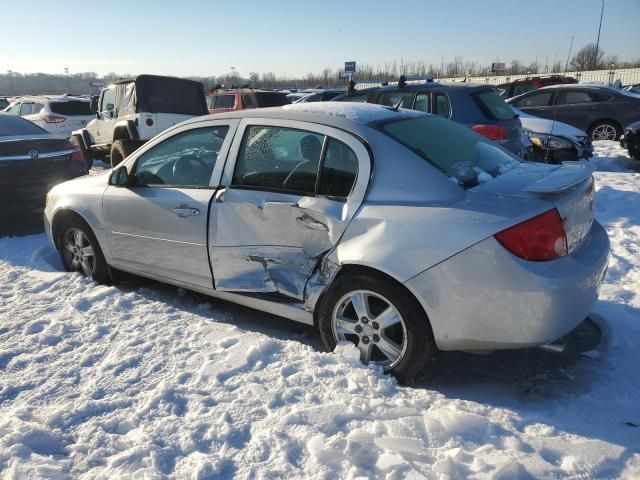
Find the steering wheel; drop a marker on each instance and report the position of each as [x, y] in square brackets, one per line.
[185, 173]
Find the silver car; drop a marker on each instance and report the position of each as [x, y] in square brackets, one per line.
[399, 231]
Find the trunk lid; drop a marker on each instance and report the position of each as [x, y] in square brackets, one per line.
[569, 187]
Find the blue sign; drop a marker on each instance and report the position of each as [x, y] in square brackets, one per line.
[349, 67]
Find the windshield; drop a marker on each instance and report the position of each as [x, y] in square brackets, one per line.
[11, 125]
[463, 155]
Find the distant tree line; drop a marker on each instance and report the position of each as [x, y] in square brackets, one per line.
[587, 58]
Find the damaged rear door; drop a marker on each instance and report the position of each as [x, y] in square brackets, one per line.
[290, 189]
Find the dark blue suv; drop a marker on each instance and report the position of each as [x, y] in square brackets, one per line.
[477, 106]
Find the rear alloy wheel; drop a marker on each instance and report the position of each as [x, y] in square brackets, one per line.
[381, 318]
[80, 251]
[371, 322]
[604, 131]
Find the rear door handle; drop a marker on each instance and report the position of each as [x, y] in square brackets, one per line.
[184, 212]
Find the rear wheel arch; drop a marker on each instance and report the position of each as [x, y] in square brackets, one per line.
[356, 269]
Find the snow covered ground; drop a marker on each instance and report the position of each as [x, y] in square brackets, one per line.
[142, 380]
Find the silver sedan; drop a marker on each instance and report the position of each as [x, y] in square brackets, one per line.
[401, 232]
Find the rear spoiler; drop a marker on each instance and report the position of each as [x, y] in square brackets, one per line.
[565, 177]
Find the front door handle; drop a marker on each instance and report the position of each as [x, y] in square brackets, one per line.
[184, 211]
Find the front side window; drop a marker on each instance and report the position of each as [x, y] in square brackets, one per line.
[339, 170]
[457, 151]
[569, 97]
[278, 158]
[184, 160]
[108, 103]
[391, 99]
[14, 109]
[224, 101]
[540, 99]
[441, 105]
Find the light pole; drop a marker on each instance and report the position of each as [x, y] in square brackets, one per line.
[595, 59]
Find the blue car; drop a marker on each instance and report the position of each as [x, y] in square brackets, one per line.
[477, 106]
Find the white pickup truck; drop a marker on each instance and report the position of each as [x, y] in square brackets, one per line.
[131, 111]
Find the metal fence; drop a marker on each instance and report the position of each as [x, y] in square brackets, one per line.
[625, 75]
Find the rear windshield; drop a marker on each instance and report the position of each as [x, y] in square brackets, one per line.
[493, 105]
[170, 95]
[11, 125]
[70, 109]
[271, 99]
[466, 157]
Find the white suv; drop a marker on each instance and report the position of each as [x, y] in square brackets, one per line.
[57, 114]
[131, 111]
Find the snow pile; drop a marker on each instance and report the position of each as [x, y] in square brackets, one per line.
[142, 380]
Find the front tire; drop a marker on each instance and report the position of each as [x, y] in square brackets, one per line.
[121, 149]
[381, 318]
[80, 251]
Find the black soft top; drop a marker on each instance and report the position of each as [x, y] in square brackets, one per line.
[159, 94]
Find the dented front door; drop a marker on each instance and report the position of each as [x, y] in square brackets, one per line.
[273, 220]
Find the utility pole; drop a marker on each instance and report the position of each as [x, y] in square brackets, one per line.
[595, 60]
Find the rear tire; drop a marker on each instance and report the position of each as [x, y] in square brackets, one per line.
[407, 329]
[605, 130]
[87, 153]
[121, 149]
[80, 251]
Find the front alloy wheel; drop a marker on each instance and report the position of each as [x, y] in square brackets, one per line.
[78, 252]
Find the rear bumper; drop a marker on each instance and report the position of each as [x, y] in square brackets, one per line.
[485, 298]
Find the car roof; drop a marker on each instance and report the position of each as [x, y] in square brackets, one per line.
[53, 98]
[345, 115]
[231, 91]
[420, 87]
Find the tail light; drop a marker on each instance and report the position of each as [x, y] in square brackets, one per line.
[492, 132]
[538, 239]
[76, 155]
[53, 118]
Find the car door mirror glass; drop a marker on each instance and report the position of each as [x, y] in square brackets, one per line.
[120, 177]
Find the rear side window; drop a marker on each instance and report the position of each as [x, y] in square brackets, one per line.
[12, 125]
[70, 109]
[224, 101]
[354, 98]
[266, 99]
[569, 97]
[391, 99]
[339, 170]
[441, 105]
[247, 101]
[278, 158]
[26, 109]
[493, 105]
[540, 99]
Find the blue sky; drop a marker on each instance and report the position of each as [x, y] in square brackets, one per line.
[296, 37]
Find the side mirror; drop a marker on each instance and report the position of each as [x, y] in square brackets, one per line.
[94, 105]
[120, 177]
